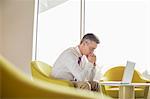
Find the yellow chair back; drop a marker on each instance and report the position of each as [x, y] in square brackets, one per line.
[116, 74]
[42, 67]
[41, 71]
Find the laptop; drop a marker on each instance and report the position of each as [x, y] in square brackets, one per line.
[127, 75]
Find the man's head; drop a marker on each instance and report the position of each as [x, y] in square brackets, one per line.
[88, 44]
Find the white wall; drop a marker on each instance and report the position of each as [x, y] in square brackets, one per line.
[17, 32]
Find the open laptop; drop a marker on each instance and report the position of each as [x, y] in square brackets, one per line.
[127, 75]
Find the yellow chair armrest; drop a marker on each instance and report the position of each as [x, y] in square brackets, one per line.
[145, 79]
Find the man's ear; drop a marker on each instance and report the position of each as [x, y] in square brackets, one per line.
[84, 43]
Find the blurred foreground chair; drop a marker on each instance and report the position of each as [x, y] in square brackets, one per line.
[116, 74]
[16, 85]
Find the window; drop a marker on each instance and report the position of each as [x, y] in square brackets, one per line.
[58, 29]
[121, 25]
[123, 28]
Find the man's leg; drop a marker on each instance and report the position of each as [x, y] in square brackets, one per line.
[82, 85]
[94, 86]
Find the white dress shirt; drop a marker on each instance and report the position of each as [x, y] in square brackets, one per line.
[67, 66]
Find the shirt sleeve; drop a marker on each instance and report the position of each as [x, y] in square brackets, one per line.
[92, 74]
[92, 69]
[98, 73]
[81, 74]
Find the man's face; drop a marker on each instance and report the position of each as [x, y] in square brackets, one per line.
[89, 47]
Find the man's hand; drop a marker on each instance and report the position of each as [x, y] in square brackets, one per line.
[92, 58]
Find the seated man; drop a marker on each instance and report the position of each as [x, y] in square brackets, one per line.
[78, 64]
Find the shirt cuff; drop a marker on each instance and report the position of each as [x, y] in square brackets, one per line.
[90, 65]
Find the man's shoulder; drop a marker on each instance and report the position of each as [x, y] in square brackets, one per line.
[68, 50]
[71, 51]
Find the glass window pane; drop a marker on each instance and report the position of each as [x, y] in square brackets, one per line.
[123, 28]
[58, 29]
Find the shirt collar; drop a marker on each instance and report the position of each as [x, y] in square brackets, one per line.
[78, 50]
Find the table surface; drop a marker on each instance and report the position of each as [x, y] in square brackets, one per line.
[116, 83]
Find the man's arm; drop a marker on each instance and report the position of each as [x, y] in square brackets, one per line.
[92, 59]
[78, 72]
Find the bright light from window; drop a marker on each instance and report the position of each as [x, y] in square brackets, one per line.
[123, 28]
[58, 29]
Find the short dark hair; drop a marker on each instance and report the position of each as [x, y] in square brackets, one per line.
[90, 36]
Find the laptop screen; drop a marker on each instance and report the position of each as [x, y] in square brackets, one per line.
[128, 72]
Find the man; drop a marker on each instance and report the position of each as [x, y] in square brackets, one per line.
[78, 64]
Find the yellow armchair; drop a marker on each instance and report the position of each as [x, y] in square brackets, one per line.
[116, 74]
[41, 70]
[15, 84]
